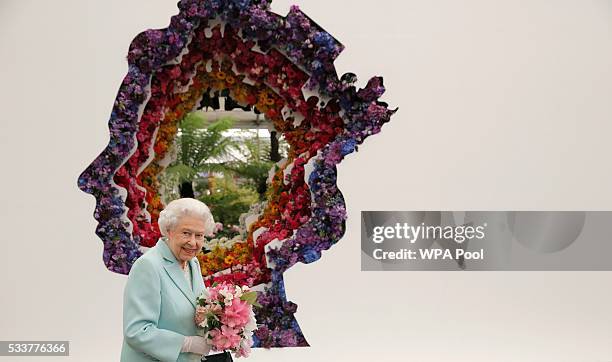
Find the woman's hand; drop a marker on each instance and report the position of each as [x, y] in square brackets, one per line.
[196, 344]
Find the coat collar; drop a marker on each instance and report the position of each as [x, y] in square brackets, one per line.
[172, 267]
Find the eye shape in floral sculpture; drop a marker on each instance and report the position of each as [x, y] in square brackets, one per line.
[266, 61]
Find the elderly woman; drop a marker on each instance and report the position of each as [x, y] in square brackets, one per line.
[159, 298]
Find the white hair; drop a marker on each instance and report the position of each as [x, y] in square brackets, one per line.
[171, 214]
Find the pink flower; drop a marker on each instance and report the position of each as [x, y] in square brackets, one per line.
[213, 293]
[243, 351]
[237, 314]
[203, 311]
[226, 338]
[200, 315]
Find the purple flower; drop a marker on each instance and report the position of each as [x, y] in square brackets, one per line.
[288, 338]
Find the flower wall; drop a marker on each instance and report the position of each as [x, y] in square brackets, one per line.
[283, 66]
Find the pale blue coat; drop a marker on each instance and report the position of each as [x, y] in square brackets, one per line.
[159, 307]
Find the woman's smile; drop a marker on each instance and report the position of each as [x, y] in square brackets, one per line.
[189, 250]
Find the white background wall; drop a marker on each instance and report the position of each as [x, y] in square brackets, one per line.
[504, 105]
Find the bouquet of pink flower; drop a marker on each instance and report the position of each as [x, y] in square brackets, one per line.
[225, 317]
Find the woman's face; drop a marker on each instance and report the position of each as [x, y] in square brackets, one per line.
[187, 237]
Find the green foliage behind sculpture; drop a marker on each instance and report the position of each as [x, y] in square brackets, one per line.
[227, 173]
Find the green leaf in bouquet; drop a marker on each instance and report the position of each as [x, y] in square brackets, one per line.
[251, 298]
[215, 323]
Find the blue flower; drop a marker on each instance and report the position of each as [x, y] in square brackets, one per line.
[313, 175]
[311, 255]
[255, 341]
[348, 147]
[323, 39]
[242, 4]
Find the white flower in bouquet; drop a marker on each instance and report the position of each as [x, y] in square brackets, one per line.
[238, 292]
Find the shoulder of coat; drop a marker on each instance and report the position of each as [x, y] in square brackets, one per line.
[151, 257]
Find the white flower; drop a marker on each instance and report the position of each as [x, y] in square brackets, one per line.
[250, 326]
[226, 293]
[246, 342]
[238, 292]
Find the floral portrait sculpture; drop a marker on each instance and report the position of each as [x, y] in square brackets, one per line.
[284, 67]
